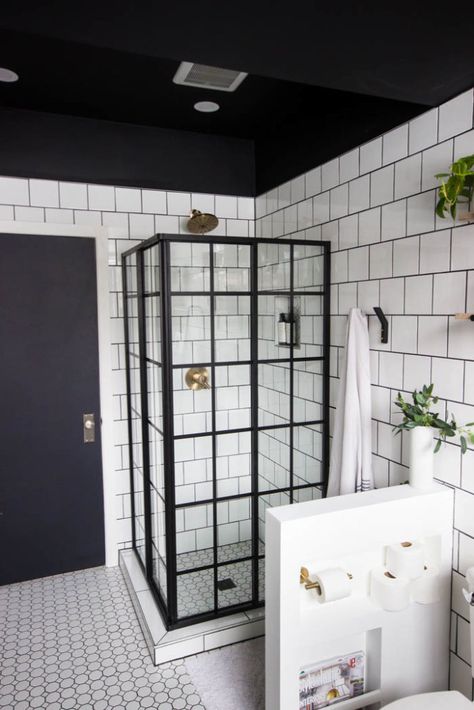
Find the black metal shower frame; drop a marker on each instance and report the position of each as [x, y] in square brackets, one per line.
[168, 608]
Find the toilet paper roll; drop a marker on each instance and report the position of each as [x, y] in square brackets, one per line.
[405, 559]
[391, 593]
[425, 589]
[334, 584]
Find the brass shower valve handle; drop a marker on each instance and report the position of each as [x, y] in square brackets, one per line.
[197, 378]
[310, 584]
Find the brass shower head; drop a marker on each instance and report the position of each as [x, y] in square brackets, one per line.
[201, 222]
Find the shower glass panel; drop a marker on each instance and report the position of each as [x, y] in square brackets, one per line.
[227, 354]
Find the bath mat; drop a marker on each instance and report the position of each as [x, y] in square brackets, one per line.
[232, 677]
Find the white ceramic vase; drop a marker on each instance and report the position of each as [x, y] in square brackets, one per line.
[421, 458]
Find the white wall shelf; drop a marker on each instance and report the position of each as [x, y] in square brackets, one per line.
[406, 652]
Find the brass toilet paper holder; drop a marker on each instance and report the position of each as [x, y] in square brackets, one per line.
[309, 583]
[197, 378]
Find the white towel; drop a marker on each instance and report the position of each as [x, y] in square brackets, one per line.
[350, 468]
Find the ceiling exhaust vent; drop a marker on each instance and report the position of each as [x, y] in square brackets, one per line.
[207, 77]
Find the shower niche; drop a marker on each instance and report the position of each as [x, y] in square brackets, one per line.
[224, 420]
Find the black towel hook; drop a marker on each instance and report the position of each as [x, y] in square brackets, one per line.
[383, 322]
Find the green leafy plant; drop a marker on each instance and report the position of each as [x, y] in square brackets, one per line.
[419, 413]
[457, 188]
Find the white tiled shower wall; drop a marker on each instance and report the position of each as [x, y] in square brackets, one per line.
[376, 206]
[134, 214]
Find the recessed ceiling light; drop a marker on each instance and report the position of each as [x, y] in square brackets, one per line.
[207, 106]
[8, 75]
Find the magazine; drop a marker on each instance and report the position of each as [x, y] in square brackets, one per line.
[327, 683]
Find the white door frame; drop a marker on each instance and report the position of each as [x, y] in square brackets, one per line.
[100, 236]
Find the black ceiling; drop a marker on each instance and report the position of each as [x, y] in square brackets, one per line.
[322, 78]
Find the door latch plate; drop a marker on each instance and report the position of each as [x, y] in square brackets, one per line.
[88, 423]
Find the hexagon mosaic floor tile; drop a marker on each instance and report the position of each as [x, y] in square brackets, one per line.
[73, 641]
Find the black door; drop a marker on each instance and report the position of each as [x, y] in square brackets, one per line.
[51, 498]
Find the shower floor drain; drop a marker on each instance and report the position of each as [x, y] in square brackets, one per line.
[224, 584]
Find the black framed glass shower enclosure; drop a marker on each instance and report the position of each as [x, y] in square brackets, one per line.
[227, 366]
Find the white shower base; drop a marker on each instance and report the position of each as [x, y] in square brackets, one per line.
[169, 645]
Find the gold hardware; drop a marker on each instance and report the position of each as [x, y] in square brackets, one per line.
[201, 222]
[332, 694]
[464, 316]
[197, 378]
[310, 584]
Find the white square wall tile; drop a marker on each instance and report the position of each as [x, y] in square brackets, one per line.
[349, 165]
[464, 145]
[404, 334]
[179, 203]
[395, 144]
[245, 207]
[369, 226]
[142, 226]
[416, 372]
[313, 182]
[359, 194]
[347, 298]
[461, 339]
[58, 216]
[330, 174]
[419, 295]
[449, 293]
[6, 212]
[225, 206]
[381, 260]
[86, 217]
[455, 116]
[166, 224]
[420, 213]
[348, 232]
[389, 445]
[435, 248]
[371, 156]
[423, 131]
[380, 403]
[29, 214]
[321, 208]
[339, 265]
[44, 193]
[128, 199]
[463, 247]
[297, 189]
[368, 295]
[204, 202]
[14, 191]
[381, 186]
[73, 195]
[406, 256]
[408, 176]
[394, 217]
[391, 370]
[154, 201]
[339, 201]
[359, 264]
[448, 376]
[433, 335]
[101, 197]
[305, 214]
[436, 160]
